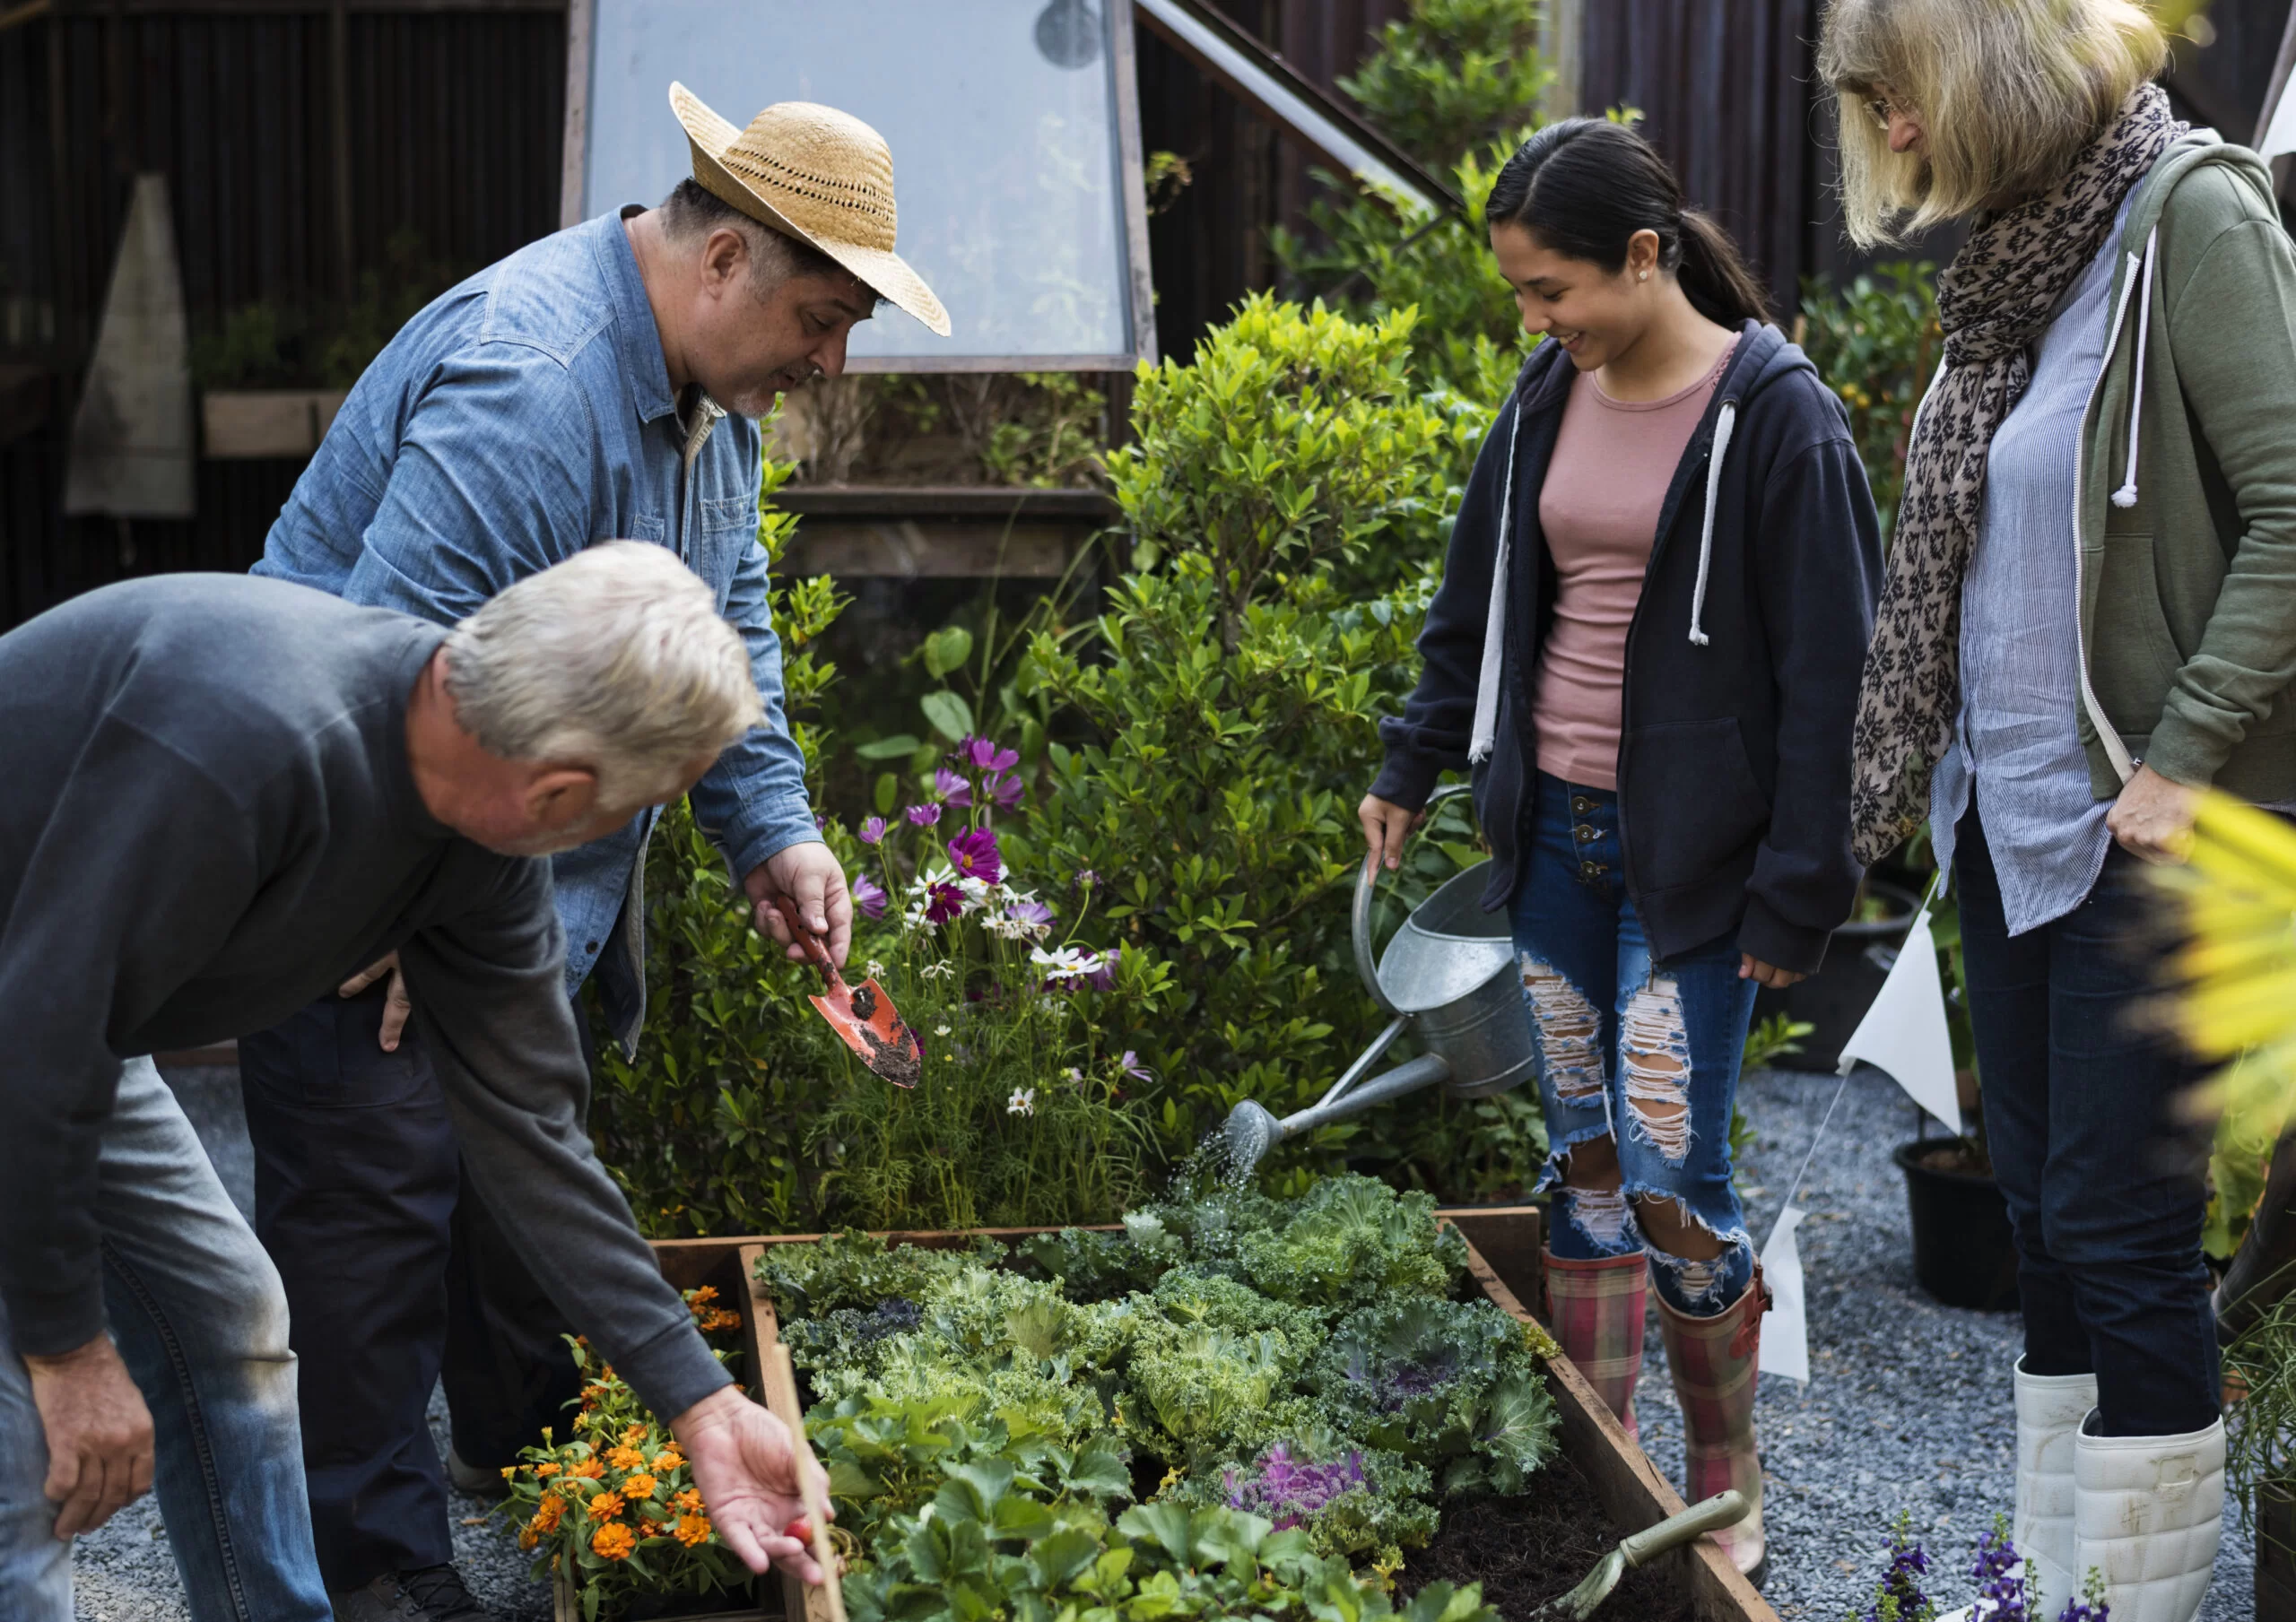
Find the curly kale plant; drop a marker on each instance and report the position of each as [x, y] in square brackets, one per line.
[1352, 1241]
[1451, 1384]
[1092, 1265]
[858, 1270]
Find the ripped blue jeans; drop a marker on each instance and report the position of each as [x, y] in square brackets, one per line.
[1644, 1054]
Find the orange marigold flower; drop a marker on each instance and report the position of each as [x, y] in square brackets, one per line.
[548, 1511]
[633, 1433]
[668, 1459]
[549, 1469]
[694, 1528]
[690, 1498]
[708, 1292]
[605, 1507]
[613, 1542]
[625, 1458]
[588, 1470]
[528, 1537]
[638, 1486]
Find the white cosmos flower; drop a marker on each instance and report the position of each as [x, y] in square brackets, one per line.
[1064, 962]
[939, 971]
[1023, 1102]
[875, 968]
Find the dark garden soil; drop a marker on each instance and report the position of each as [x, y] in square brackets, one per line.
[1529, 1550]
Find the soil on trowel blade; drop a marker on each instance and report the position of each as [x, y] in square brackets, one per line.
[1529, 1550]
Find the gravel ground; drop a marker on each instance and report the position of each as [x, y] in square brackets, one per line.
[1907, 1406]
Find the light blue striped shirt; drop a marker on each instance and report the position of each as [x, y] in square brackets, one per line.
[2017, 740]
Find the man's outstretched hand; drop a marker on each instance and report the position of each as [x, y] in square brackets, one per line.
[99, 1435]
[747, 1473]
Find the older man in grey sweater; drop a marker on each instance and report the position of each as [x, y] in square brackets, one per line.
[222, 797]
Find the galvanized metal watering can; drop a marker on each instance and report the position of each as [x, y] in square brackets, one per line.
[1448, 977]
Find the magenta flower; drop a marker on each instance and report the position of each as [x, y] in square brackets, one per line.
[947, 786]
[1007, 790]
[943, 902]
[1035, 914]
[983, 756]
[922, 816]
[868, 896]
[975, 855]
[872, 831]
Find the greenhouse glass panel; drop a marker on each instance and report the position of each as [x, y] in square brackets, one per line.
[1001, 115]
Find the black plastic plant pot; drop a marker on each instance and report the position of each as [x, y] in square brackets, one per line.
[1962, 1252]
[1858, 957]
[2275, 1518]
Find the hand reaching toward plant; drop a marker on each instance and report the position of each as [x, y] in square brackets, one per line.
[747, 1471]
[809, 875]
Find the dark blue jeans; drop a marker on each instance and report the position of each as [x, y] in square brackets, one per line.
[2106, 1191]
[1626, 1042]
[395, 1275]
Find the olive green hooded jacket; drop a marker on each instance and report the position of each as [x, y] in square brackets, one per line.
[2186, 527]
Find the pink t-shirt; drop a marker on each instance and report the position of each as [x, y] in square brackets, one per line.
[1613, 461]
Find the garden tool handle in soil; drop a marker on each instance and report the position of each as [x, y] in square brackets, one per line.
[816, 949]
[1367, 886]
[816, 1505]
[1725, 1508]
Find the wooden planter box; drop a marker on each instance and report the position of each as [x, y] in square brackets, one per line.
[2275, 1517]
[249, 423]
[1502, 1255]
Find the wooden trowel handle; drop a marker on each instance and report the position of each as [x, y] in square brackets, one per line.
[816, 948]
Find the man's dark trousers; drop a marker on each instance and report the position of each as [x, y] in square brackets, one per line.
[395, 1273]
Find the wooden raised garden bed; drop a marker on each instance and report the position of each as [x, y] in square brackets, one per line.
[1503, 1257]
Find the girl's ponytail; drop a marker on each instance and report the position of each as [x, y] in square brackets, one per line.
[1714, 274]
[1584, 185]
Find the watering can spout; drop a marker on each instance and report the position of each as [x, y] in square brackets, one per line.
[1250, 1132]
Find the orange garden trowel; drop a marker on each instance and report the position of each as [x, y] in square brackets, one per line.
[863, 1015]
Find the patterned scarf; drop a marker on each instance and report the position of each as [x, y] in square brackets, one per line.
[1996, 297]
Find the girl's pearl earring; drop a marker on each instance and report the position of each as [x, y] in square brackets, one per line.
[1643, 275]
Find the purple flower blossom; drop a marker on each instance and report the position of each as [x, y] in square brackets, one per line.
[1007, 790]
[2000, 1584]
[1131, 1066]
[868, 896]
[1087, 878]
[982, 755]
[1287, 1490]
[974, 855]
[1035, 914]
[943, 902]
[922, 816]
[947, 786]
[872, 831]
[1909, 1563]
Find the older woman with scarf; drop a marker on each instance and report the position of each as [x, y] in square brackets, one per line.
[2089, 615]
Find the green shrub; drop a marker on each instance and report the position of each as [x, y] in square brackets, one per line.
[1876, 342]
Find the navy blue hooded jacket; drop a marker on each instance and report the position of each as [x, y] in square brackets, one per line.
[1742, 662]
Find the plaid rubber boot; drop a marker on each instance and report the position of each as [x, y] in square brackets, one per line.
[1596, 1310]
[1712, 1360]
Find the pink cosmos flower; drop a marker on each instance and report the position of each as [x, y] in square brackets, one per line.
[872, 831]
[866, 894]
[1007, 790]
[922, 816]
[949, 786]
[943, 902]
[975, 855]
[983, 756]
[1131, 1066]
[1033, 913]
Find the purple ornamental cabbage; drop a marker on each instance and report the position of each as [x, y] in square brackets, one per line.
[1289, 1491]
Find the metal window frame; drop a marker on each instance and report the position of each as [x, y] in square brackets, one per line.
[1117, 18]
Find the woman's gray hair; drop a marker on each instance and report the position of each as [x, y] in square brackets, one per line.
[616, 659]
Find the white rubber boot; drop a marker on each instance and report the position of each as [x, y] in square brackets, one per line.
[2051, 1408]
[2148, 1512]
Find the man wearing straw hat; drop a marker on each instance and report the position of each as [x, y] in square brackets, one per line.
[601, 383]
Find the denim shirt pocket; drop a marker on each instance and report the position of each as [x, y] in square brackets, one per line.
[728, 526]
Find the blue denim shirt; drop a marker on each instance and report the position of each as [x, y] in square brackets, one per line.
[522, 416]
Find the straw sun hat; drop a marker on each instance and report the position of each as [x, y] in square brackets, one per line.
[817, 174]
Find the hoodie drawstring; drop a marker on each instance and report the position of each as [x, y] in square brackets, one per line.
[1725, 421]
[2125, 496]
[1494, 624]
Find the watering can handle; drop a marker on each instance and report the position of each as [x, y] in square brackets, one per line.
[1367, 886]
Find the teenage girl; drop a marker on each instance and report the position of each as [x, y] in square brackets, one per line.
[1646, 646]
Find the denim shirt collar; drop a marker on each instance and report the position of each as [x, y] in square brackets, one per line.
[637, 340]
